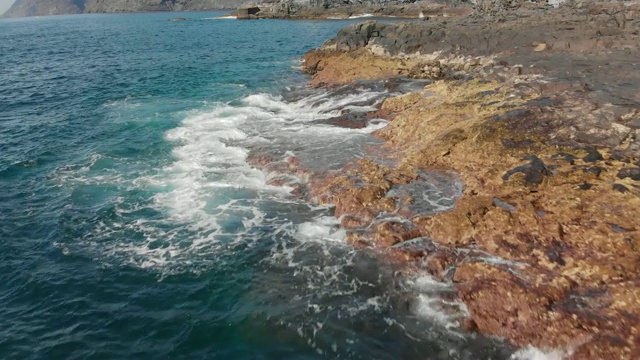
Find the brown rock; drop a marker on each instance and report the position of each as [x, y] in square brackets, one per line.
[389, 233]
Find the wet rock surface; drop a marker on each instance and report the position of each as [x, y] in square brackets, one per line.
[543, 243]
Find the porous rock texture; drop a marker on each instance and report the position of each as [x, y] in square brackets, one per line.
[540, 124]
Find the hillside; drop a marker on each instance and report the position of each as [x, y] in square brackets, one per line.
[22, 8]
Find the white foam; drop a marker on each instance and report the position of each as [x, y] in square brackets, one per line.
[320, 229]
[429, 284]
[430, 305]
[297, 64]
[196, 195]
[360, 16]
[555, 3]
[226, 17]
[204, 161]
[533, 353]
[314, 107]
[427, 307]
[207, 199]
[375, 124]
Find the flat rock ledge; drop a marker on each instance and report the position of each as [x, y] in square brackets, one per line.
[541, 124]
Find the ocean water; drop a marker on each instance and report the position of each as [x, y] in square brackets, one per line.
[132, 226]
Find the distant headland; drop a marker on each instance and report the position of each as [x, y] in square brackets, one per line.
[24, 8]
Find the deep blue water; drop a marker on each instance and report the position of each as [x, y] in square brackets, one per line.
[132, 227]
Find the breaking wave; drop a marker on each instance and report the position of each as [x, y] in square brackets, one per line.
[207, 199]
[207, 208]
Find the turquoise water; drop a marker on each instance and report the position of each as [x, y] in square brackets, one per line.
[132, 226]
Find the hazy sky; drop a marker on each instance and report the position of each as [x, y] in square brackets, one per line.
[5, 5]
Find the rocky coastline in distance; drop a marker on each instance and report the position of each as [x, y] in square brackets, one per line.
[269, 8]
[329, 9]
[536, 111]
[25, 8]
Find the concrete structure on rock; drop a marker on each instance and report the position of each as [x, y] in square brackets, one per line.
[247, 12]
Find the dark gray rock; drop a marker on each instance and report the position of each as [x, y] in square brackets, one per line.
[620, 188]
[594, 170]
[585, 186]
[504, 205]
[593, 156]
[399, 38]
[357, 35]
[617, 155]
[534, 172]
[566, 157]
[633, 173]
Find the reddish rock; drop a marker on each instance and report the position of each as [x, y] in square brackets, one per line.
[389, 233]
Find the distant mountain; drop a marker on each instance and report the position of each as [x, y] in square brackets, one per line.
[22, 8]
[42, 7]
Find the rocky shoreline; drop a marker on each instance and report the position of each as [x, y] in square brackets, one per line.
[411, 10]
[541, 126]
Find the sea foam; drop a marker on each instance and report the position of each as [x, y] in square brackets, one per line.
[533, 353]
[208, 199]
